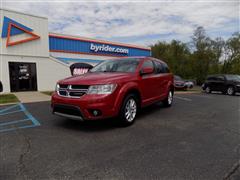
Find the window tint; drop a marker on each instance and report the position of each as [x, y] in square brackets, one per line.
[215, 78]
[161, 67]
[220, 78]
[158, 67]
[147, 63]
[211, 78]
[177, 78]
[118, 65]
[233, 77]
[165, 68]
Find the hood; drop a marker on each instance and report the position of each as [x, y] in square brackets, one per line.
[93, 78]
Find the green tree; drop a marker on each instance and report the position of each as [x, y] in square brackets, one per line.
[232, 55]
[176, 54]
[201, 57]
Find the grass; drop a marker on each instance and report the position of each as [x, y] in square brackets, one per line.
[8, 98]
[196, 88]
[49, 93]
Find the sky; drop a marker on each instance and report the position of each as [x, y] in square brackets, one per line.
[135, 22]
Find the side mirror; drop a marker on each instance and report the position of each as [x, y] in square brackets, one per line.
[146, 70]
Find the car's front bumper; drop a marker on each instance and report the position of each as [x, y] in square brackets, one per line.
[82, 108]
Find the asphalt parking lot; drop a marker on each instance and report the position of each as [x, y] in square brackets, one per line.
[197, 138]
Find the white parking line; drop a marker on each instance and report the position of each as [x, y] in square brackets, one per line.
[182, 98]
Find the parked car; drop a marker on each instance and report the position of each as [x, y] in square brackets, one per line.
[179, 83]
[118, 87]
[225, 83]
[1, 87]
[189, 84]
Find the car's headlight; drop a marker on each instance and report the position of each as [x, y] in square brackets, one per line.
[57, 87]
[101, 89]
[238, 85]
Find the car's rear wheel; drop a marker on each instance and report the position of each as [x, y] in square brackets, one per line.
[208, 89]
[169, 100]
[129, 110]
[230, 90]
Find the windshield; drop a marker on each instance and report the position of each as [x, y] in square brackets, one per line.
[118, 65]
[177, 78]
[233, 77]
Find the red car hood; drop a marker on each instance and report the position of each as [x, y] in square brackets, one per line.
[96, 78]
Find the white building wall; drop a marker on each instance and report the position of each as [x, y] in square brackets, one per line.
[38, 47]
[49, 71]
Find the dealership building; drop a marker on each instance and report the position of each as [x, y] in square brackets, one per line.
[34, 59]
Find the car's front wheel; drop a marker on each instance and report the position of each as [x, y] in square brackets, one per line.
[169, 100]
[208, 89]
[230, 90]
[129, 110]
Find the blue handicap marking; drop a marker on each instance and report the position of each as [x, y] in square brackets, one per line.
[4, 126]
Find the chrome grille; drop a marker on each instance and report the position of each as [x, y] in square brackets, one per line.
[72, 91]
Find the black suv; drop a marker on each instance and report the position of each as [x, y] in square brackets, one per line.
[225, 83]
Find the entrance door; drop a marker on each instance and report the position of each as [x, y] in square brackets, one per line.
[23, 76]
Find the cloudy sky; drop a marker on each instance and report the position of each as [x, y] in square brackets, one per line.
[137, 22]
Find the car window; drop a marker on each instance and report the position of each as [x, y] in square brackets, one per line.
[161, 67]
[177, 78]
[233, 77]
[165, 68]
[118, 65]
[158, 67]
[220, 78]
[212, 78]
[148, 63]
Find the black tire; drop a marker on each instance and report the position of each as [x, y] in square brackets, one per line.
[230, 91]
[208, 90]
[169, 99]
[123, 116]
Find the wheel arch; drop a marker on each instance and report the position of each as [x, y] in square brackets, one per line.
[137, 93]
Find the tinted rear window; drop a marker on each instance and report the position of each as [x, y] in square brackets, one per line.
[161, 67]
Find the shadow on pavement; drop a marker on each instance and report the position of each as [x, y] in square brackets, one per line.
[106, 124]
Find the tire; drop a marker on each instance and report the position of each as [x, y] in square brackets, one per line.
[230, 91]
[208, 90]
[169, 100]
[129, 109]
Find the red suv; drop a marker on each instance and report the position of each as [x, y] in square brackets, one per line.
[118, 87]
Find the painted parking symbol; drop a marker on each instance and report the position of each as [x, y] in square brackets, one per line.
[10, 125]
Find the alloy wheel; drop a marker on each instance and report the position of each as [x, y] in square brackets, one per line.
[208, 90]
[170, 97]
[230, 91]
[130, 110]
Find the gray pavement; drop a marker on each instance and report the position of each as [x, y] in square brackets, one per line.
[197, 138]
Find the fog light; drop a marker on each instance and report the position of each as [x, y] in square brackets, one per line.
[95, 112]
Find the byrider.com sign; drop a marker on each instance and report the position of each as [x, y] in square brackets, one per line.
[107, 48]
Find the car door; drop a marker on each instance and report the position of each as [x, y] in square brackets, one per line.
[212, 83]
[219, 83]
[161, 79]
[149, 87]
